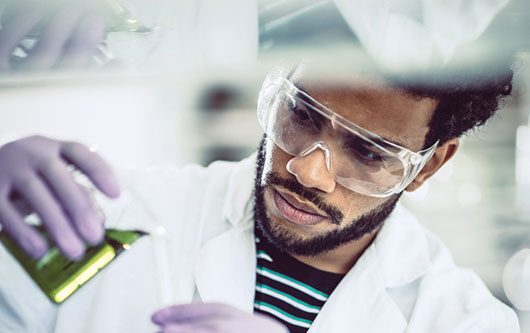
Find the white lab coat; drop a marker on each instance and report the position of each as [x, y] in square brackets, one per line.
[405, 281]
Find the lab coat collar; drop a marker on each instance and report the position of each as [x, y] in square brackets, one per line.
[360, 301]
[239, 201]
[226, 266]
[402, 249]
[398, 256]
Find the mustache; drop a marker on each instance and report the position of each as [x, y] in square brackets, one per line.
[310, 195]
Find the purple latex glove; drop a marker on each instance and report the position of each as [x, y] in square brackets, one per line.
[35, 169]
[68, 40]
[213, 317]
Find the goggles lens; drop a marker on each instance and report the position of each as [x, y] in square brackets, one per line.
[356, 158]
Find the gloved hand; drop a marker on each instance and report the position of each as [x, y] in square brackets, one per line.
[36, 170]
[213, 317]
[68, 39]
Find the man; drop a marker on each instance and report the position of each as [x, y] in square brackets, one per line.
[306, 232]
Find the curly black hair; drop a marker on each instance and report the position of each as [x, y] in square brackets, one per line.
[465, 100]
[468, 94]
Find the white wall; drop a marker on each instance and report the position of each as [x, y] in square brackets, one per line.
[132, 121]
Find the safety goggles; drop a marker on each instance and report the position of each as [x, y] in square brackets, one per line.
[355, 157]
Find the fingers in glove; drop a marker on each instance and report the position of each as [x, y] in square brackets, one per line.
[74, 200]
[35, 192]
[16, 28]
[193, 311]
[24, 235]
[93, 166]
[53, 39]
[83, 43]
[185, 328]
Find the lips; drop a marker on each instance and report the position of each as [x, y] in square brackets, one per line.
[295, 211]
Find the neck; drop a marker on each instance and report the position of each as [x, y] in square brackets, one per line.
[341, 259]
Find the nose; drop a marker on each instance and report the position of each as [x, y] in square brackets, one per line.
[312, 169]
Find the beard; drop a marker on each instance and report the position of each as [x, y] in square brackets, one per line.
[290, 242]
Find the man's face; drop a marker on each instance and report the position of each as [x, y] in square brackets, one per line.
[303, 211]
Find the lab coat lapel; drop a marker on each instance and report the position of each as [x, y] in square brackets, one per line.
[402, 249]
[360, 302]
[226, 267]
[225, 271]
[398, 256]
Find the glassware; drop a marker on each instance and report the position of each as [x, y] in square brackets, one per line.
[129, 35]
[130, 219]
[59, 277]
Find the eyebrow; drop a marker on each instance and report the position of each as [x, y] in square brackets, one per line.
[348, 136]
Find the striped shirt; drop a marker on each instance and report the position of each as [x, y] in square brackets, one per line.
[289, 290]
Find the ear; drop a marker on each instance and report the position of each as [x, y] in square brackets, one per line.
[441, 155]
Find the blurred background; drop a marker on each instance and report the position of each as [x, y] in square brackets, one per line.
[186, 85]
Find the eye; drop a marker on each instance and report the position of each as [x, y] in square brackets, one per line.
[303, 116]
[364, 153]
[368, 155]
[300, 113]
